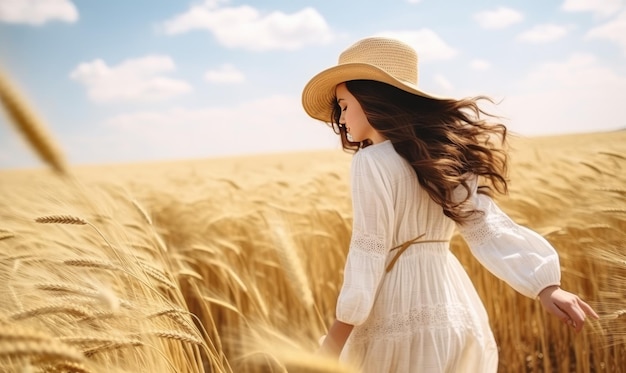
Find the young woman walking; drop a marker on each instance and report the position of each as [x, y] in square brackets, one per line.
[423, 166]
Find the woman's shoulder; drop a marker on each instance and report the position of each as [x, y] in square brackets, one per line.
[381, 157]
[376, 152]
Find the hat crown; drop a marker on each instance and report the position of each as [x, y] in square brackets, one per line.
[392, 56]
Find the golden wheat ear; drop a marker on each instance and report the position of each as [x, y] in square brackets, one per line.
[61, 219]
[615, 315]
[30, 126]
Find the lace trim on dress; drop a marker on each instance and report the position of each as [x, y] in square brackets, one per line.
[368, 244]
[426, 318]
[485, 228]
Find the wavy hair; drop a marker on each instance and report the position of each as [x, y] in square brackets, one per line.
[446, 141]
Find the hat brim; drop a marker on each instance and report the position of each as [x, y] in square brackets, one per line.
[319, 93]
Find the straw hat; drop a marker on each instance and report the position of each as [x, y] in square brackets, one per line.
[382, 59]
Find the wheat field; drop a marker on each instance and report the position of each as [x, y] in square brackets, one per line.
[234, 264]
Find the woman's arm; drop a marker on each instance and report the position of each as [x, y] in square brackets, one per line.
[522, 258]
[335, 340]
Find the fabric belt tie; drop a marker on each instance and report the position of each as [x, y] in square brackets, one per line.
[402, 247]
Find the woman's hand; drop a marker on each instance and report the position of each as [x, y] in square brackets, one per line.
[568, 307]
[332, 344]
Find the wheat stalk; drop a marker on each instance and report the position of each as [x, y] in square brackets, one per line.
[90, 263]
[189, 273]
[157, 275]
[591, 166]
[85, 340]
[141, 211]
[67, 367]
[112, 346]
[42, 350]
[95, 301]
[30, 126]
[614, 190]
[176, 315]
[292, 265]
[160, 243]
[288, 354]
[69, 219]
[103, 344]
[290, 260]
[612, 154]
[615, 315]
[175, 335]
[614, 210]
[6, 235]
[74, 310]
[166, 312]
[68, 288]
[15, 332]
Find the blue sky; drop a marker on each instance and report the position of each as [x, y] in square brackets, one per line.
[142, 80]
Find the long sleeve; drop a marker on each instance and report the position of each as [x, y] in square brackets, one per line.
[372, 229]
[515, 254]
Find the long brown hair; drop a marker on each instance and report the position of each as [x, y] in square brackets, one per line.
[446, 141]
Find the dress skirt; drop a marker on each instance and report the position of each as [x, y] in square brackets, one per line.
[438, 324]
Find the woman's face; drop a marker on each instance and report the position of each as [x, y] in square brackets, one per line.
[354, 118]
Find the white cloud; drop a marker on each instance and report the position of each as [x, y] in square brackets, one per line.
[248, 28]
[429, 46]
[37, 12]
[478, 64]
[413, 1]
[546, 33]
[272, 124]
[501, 17]
[579, 69]
[601, 8]
[225, 74]
[139, 79]
[567, 96]
[614, 30]
[443, 83]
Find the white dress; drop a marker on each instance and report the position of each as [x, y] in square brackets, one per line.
[425, 315]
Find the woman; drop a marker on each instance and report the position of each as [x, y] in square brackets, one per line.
[406, 304]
